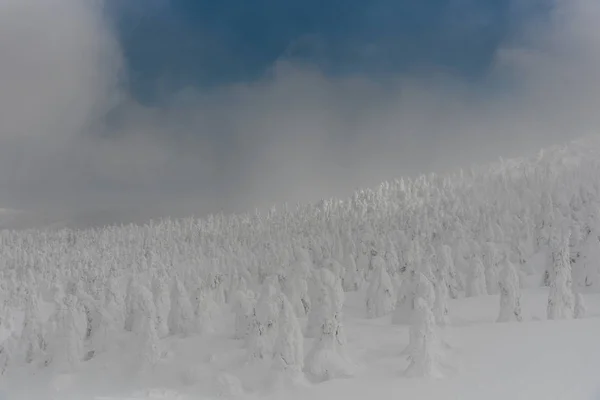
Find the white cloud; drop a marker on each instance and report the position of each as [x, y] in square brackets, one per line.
[295, 135]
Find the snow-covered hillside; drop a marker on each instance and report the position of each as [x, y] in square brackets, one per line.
[77, 219]
[478, 284]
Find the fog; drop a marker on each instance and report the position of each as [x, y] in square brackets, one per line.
[295, 135]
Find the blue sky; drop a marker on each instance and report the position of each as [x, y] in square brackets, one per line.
[172, 44]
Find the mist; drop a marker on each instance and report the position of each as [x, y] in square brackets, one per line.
[74, 141]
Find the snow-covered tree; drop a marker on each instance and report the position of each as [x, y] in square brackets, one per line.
[90, 307]
[476, 285]
[129, 302]
[149, 352]
[376, 262]
[490, 264]
[362, 261]
[405, 298]
[333, 285]
[162, 302]
[447, 270]
[67, 347]
[243, 308]
[334, 266]
[510, 294]
[424, 352]
[114, 301]
[438, 275]
[392, 260]
[422, 288]
[296, 283]
[181, 316]
[265, 329]
[142, 306]
[352, 277]
[328, 357]
[561, 302]
[440, 304]
[586, 267]
[9, 351]
[321, 306]
[103, 338]
[288, 355]
[32, 340]
[216, 282]
[204, 308]
[580, 308]
[380, 294]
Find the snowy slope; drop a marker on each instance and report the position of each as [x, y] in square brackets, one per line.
[86, 218]
[536, 359]
[153, 311]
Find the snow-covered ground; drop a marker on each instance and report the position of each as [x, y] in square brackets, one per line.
[394, 292]
[534, 359]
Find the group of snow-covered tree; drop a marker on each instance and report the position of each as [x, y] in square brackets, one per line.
[411, 245]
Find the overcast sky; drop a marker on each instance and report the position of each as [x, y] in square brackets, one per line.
[199, 106]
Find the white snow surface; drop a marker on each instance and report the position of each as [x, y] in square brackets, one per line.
[535, 359]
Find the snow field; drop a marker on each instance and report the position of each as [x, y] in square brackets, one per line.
[535, 359]
[474, 285]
